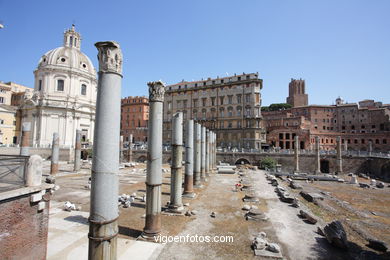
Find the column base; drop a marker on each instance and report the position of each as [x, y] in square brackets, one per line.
[175, 208]
[189, 195]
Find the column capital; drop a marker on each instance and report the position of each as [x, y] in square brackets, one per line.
[156, 91]
[110, 57]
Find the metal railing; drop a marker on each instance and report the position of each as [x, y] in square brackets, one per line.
[12, 171]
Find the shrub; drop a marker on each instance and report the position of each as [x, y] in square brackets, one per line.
[268, 162]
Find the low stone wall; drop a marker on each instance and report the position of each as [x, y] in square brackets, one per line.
[66, 154]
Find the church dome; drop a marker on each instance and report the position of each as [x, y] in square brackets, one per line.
[68, 56]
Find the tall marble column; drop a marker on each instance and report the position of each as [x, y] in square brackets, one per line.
[203, 154]
[339, 156]
[207, 163]
[103, 219]
[189, 170]
[154, 164]
[317, 156]
[55, 152]
[197, 155]
[77, 151]
[176, 204]
[296, 153]
[25, 141]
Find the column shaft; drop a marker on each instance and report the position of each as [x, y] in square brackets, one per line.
[55, 154]
[103, 225]
[197, 155]
[154, 161]
[77, 151]
[25, 141]
[176, 165]
[189, 170]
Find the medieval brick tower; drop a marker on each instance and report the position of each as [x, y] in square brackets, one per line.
[296, 93]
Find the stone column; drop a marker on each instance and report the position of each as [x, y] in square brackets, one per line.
[121, 148]
[176, 204]
[207, 163]
[345, 145]
[339, 156]
[103, 219]
[130, 149]
[203, 154]
[77, 151]
[154, 166]
[369, 148]
[189, 170]
[197, 155]
[25, 142]
[296, 154]
[214, 151]
[55, 152]
[317, 156]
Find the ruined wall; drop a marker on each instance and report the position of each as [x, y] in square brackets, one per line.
[378, 167]
[66, 154]
[23, 229]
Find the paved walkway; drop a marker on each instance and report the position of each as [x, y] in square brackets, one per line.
[68, 238]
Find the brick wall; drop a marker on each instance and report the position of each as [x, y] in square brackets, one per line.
[23, 229]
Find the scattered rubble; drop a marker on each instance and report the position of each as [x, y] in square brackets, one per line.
[69, 206]
[263, 248]
[125, 200]
[380, 185]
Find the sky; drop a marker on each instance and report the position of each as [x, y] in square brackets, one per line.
[340, 47]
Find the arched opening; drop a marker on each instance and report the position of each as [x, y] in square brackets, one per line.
[242, 161]
[324, 166]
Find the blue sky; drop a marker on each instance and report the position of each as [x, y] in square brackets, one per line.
[340, 47]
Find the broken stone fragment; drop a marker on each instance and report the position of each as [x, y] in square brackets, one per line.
[377, 245]
[246, 207]
[273, 247]
[309, 218]
[380, 185]
[186, 204]
[187, 213]
[336, 235]
[194, 212]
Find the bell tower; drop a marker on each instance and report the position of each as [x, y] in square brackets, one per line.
[72, 39]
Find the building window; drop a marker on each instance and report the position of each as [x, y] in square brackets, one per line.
[204, 113]
[60, 85]
[83, 89]
[40, 85]
[238, 124]
[213, 101]
[239, 99]
[384, 141]
[204, 101]
[2, 100]
[1, 122]
[230, 99]
[195, 103]
[221, 100]
[248, 98]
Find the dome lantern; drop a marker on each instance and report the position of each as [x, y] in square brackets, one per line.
[72, 39]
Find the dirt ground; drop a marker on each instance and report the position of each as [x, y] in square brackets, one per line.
[365, 212]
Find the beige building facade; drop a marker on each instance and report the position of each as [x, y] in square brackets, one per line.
[230, 106]
[10, 95]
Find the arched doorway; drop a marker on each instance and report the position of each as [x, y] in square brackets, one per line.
[324, 166]
[242, 161]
